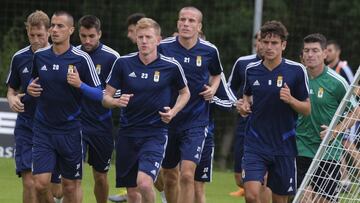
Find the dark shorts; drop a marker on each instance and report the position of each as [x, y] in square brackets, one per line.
[281, 171]
[62, 152]
[203, 172]
[239, 144]
[99, 148]
[302, 166]
[327, 173]
[184, 145]
[134, 154]
[23, 145]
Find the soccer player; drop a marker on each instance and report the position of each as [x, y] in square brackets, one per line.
[131, 21]
[224, 100]
[57, 129]
[333, 61]
[96, 120]
[37, 25]
[202, 67]
[147, 81]
[275, 91]
[327, 89]
[236, 83]
[131, 25]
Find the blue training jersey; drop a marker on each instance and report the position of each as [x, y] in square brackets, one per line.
[198, 63]
[224, 99]
[19, 77]
[237, 76]
[237, 81]
[272, 123]
[152, 85]
[95, 117]
[59, 104]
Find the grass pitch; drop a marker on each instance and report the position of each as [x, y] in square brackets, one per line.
[11, 189]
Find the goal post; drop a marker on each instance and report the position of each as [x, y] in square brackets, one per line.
[337, 161]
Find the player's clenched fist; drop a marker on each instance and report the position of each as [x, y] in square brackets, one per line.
[285, 94]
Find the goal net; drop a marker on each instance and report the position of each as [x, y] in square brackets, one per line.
[334, 174]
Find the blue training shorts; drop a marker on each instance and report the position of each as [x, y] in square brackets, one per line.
[203, 172]
[62, 150]
[99, 148]
[184, 145]
[281, 171]
[239, 144]
[23, 145]
[134, 154]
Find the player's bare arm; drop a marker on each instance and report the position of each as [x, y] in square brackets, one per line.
[244, 109]
[301, 107]
[14, 99]
[210, 90]
[182, 99]
[34, 89]
[110, 102]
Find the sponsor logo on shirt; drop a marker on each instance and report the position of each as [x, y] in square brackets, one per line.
[43, 68]
[25, 70]
[256, 83]
[132, 75]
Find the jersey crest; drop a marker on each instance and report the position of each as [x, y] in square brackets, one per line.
[98, 69]
[198, 61]
[279, 82]
[156, 76]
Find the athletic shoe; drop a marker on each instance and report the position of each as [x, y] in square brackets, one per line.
[239, 193]
[120, 197]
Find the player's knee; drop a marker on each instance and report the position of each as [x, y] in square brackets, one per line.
[41, 186]
[187, 178]
[133, 195]
[145, 186]
[28, 183]
[251, 196]
[70, 187]
[100, 179]
[171, 178]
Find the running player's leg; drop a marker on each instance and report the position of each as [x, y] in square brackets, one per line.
[170, 168]
[100, 147]
[192, 143]
[44, 161]
[23, 158]
[69, 148]
[203, 172]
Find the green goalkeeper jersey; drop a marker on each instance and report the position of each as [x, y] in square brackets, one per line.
[326, 93]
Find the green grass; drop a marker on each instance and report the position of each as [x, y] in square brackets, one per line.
[11, 190]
